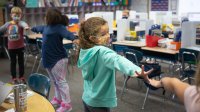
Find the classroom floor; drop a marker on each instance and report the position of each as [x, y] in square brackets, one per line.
[131, 101]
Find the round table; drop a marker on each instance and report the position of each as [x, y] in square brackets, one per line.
[35, 103]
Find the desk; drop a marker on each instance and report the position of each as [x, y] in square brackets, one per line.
[154, 52]
[120, 45]
[130, 43]
[160, 53]
[35, 103]
[34, 36]
[161, 50]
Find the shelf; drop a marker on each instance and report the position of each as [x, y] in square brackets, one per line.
[35, 16]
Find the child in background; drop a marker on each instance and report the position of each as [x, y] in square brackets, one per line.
[125, 14]
[15, 32]
[98, 64]
[54, 56]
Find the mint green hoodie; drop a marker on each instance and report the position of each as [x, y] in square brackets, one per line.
[98, 66]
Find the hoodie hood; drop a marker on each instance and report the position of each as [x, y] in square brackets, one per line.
[87, 61]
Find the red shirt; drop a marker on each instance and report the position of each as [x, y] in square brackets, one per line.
[15, 34]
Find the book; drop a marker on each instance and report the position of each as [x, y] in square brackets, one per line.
[41, 3]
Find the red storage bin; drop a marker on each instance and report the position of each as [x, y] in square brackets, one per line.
[152, 41]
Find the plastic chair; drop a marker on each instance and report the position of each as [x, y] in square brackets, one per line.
[40, 84]
[188, 57]
[136, 57]
[70, 49]
[30, 49]
[39, 45]
[119, 49]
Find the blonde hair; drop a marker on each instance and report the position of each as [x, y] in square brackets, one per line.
[126, 11]
[88, 28]
[16, 10]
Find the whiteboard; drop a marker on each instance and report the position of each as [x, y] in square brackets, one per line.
[194, 16]
[186, 6]
[142, 15]
[118, 15]
[161, 17]
[132, 14]
[108, 16]
[122, 28]
[188, 39]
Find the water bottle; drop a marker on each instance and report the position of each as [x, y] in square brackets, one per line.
[20, 96]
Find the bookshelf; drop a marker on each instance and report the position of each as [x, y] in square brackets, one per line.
[35, 16]
[35, 10]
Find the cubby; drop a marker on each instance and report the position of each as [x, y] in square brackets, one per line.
[35, 16]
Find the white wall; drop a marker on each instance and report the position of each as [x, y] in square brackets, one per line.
[186, 6]
[139, 5]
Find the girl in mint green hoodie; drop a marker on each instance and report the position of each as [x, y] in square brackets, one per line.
[98, 64]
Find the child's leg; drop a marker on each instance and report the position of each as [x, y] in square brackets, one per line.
[21, 62]
[57, 94]
[88, 108]
[59, 72]
[12, 54]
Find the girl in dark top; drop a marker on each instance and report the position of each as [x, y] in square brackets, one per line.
[54, 56]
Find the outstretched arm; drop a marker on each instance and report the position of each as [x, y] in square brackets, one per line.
[38, 29]
[66, 34]
[176, 86]
[24, 25]
[4, 28]
[114, 61]
[170, 84]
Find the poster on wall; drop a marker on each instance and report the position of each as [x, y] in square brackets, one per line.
[159, 5]
[198, 35]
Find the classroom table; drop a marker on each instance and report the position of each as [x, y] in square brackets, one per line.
[130, 43]
[35, 103]
[161, 53]
[120, 45]
[34, 36]
[154, 52]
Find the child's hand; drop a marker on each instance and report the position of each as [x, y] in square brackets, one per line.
[27, 28]
[144, 74]
[76, 41]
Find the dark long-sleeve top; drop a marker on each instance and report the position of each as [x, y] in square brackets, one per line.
[52, 45]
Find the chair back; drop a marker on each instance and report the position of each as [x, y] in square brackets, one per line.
[188, 56]
[40, 84]
[119, 49]
[133, 56]
[39, 43]
[29, 41]
[30, 45]
[136, 57]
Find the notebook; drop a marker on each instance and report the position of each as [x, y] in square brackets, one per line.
[5, 89]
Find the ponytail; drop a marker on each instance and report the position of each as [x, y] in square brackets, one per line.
[90, 27]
